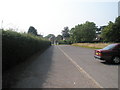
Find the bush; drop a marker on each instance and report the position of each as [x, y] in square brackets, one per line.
[17, 47]
[65, 42]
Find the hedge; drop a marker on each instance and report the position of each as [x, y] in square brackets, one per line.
[65, 42]
[17, 47]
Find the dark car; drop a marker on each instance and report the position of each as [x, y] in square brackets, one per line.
[110, 53]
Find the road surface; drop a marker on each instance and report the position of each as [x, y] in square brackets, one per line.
[63, 66]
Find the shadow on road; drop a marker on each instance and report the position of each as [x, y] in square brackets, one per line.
[107, 63]
[30, 74]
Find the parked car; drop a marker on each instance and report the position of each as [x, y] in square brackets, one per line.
[110, 53]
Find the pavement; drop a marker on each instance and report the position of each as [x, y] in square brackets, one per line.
[62, 66]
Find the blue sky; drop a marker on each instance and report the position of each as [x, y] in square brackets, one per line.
[51, 16]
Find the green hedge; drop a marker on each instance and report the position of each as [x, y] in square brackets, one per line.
[17, 47]
[65, 42]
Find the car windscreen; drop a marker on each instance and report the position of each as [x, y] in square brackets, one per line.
[109, 47]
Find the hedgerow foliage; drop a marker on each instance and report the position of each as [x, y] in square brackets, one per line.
[17, 47]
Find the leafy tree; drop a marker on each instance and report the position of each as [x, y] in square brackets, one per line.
[106, 32]
[83, 32]
[51, 37]
[32, 30]
[59, 37]
[116, 30]
[88, 31]
[72, 35]
[111, 32]
[65, 33]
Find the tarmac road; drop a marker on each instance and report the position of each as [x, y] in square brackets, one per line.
[106, 75]
[63, 66]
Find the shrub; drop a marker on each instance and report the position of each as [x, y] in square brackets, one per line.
[65, 42]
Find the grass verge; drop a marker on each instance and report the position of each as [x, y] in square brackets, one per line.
[92, 45]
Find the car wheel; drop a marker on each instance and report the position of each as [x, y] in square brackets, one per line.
[116, 59]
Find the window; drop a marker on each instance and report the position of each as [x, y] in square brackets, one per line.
[109, 47]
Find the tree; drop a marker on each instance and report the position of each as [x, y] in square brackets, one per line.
[32, 30]
[116, 30]
[59, 37]
[88, 31]
[83, 32]
[65, 33]
[111, 32]
[51, 37]
[72, 35]
[106, 32]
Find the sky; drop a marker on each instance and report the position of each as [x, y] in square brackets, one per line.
[51, 16]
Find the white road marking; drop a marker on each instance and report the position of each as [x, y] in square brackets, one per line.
[80, 69]
[74, 83]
